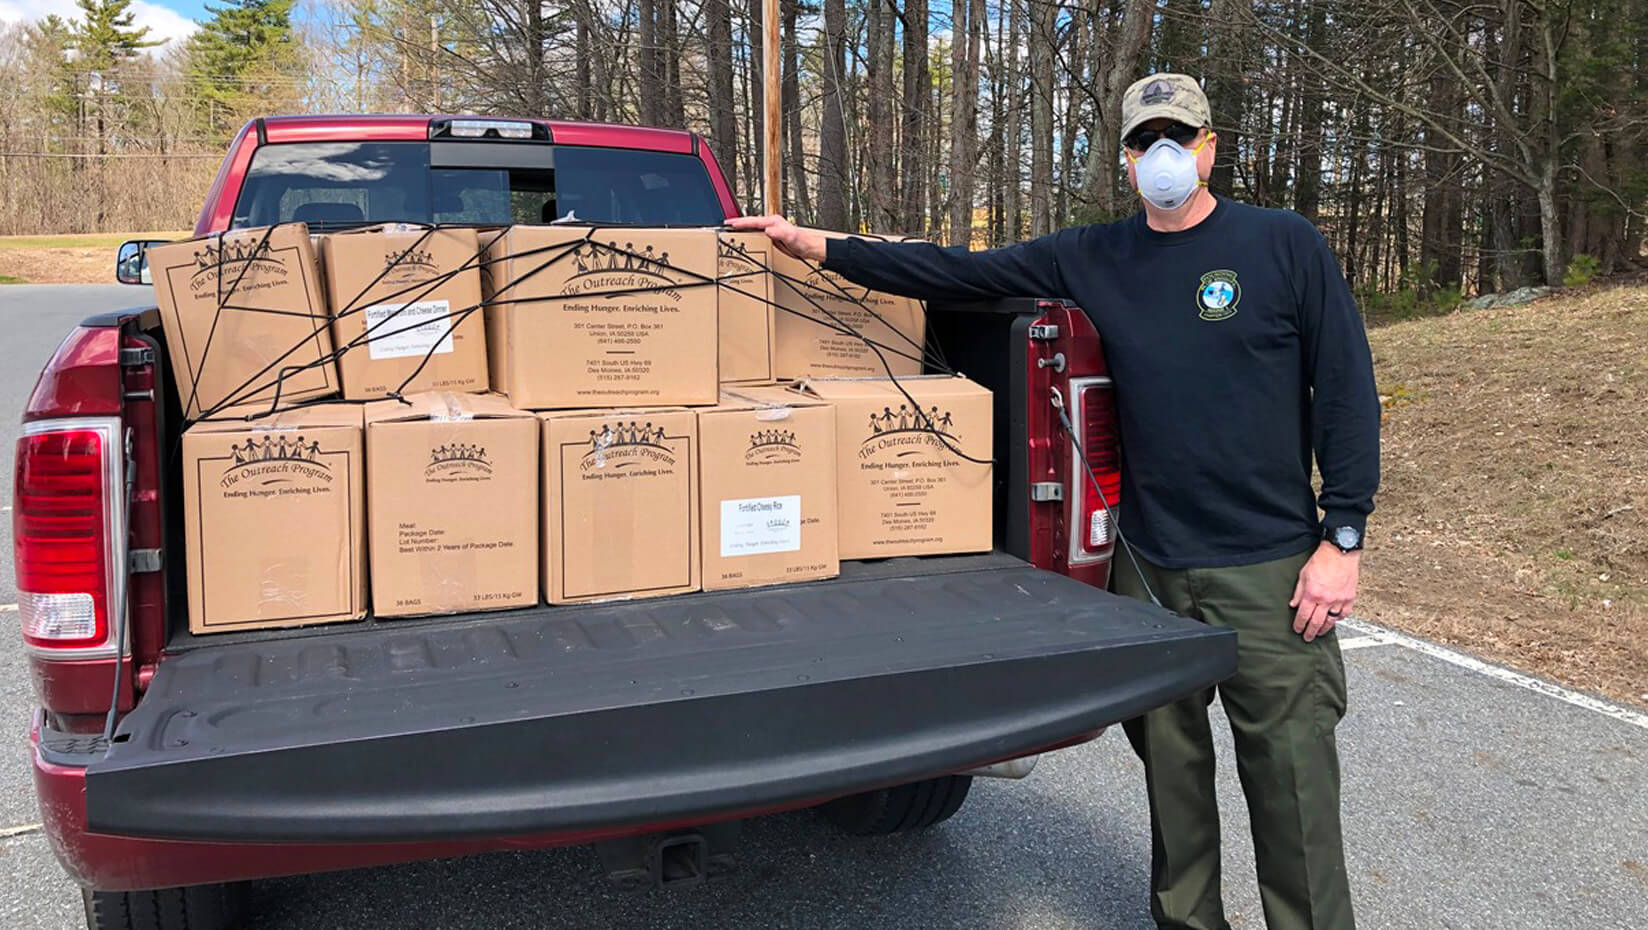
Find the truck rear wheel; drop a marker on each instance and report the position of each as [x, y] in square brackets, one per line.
[895, 810]
[197, 907]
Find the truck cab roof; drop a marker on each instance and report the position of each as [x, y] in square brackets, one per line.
[385, 127]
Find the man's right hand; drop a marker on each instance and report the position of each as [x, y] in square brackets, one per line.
[792, 240]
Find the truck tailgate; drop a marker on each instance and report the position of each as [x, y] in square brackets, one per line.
[641, 712]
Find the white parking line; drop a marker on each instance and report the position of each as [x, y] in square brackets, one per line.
[1598, 705]
[7, 608]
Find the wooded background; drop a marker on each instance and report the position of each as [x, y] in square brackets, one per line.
[1443, 147]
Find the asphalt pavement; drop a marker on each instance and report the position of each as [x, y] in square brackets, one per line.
[1471, 801]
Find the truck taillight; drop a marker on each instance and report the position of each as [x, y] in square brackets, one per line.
[67, 532]
[1093, 412]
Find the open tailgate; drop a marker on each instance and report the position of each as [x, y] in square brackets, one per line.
[669, 710]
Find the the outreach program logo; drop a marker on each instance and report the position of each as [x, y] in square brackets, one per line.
[456, 461]
[905, 432]
[1218, 295]
[276, 459]
[418, 259]
[772, 445]
[625, 444]
[236, 261]
[614, 268]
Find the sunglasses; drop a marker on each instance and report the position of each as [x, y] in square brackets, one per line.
[1178, 132]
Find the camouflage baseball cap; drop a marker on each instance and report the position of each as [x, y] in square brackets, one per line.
[1164, 96]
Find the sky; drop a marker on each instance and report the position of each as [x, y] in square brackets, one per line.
[167, 19]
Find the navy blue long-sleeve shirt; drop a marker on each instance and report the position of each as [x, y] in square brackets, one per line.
[1236, 350]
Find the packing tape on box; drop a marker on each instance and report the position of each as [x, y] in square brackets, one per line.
[450, 410]
[765, 410]
[284, 584]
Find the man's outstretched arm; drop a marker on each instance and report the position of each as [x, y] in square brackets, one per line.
[922, 269]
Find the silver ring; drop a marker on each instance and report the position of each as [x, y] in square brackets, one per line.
[1333, 613]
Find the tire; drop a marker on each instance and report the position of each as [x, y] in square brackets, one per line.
[915, 806]
[197, 907]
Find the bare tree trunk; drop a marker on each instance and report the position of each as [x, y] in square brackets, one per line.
[537, 94]
[968, 16]
[918, 105]
[1358, 166]
[799, 198]
[996, 177]
[1042, 42]
[1075, 54]
[1547, 133]
[832, 129]
[1014, 177]
[756, 86]
[882, 166]
[650, 77]
[1307, 190]
[723, 123]
[936, 218]
[1225, 90]
[1132, 38]
[583, 77]
[670, 42]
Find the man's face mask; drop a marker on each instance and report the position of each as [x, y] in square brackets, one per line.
[1167, 174]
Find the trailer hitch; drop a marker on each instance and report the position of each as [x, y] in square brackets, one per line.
[673, 859]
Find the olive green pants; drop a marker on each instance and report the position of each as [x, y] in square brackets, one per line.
[1283, 703]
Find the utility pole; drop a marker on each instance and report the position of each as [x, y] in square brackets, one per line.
[434, 66]
[772, 126]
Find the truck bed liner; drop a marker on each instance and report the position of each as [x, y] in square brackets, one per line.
[675, 709]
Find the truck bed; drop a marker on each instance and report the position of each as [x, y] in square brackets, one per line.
[669, 710]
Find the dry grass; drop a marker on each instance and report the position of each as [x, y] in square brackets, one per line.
[72, 259]
[81, 240]
[1513, 517]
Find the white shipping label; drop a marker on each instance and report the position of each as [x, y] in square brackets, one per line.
[758, 525]
[410, 332]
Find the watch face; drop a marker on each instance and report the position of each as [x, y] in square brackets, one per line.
[1346, 537]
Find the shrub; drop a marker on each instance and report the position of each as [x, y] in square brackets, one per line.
[1581, 270]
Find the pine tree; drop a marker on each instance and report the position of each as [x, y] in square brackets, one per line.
[103, 40]
[242, 61]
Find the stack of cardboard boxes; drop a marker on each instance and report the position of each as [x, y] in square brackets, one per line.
[578, 413]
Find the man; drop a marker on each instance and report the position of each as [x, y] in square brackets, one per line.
[1237, 351]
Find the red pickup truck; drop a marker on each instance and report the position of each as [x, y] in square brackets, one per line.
[171, 767]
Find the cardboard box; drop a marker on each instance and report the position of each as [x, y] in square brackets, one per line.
[816, 305]
[274, 520]
[624, 316]
[620, 504]
[406, 304]
[903, 488]
[768, 488]
[746, 308]
[223, 350]
[452, 504]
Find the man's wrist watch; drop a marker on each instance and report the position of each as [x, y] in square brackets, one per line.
[1347, 539]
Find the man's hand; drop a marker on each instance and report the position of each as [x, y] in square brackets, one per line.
[792, 240]
[1326, 590]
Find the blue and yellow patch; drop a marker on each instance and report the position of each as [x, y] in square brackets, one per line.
[1217, 296]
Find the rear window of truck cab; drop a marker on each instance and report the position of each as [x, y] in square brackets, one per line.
[332, 185]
